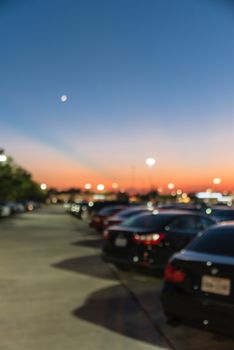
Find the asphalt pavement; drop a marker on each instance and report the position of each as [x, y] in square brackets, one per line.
[57, 293]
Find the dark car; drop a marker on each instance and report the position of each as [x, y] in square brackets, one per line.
[97, 220]
[221, 213]
[98, 205]
[78, 209]
[148, 240]
[5, 209]
[118, 218]
[199, 281]
[182, 206]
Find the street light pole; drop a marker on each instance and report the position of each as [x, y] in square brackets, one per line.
[150, 162]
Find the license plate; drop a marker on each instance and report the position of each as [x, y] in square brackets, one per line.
[121, 242]
[216, 285]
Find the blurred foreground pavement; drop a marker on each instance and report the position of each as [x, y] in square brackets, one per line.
[57, 294]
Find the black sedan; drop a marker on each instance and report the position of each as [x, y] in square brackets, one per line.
[149, 239]
[199, 282]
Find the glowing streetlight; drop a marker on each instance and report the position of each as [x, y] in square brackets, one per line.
[63, 98]
[3, 158]
[43, 187]
[87, 186]
[150, 162]
[217, 181]
[115, 185]
[171, 186]
[100, 187]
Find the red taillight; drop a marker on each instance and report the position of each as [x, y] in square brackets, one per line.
[171, 274]
[149, 239]
[105, 234]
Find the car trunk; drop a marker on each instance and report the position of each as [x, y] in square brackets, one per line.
[120, 242]
[207, 276]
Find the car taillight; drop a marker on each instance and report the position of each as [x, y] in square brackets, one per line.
[149, 239]
[171, 274]
[105, 234]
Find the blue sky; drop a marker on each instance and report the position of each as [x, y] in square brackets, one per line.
[151, 77]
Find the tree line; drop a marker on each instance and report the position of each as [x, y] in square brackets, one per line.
[17, 184]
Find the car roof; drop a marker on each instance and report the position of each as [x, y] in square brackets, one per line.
[229, 224]
[173, 212]
[220, 208]
[136, 208]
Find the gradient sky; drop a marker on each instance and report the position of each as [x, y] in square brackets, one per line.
[144, 78]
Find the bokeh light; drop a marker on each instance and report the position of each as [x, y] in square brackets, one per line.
[100, 187]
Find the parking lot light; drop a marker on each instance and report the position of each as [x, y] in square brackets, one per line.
[217, 181]
[171, 186]
[3, 158]
[43, 187]
[87, 186]
[150, 162]
[100, 187]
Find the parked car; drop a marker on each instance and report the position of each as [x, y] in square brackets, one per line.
[97, 206]
[97, 221]
[118, 218]
[221, 213]
[149, 239]
[5, 209]
[30, 205]
[84, 209]
[79, 209]
[20, 207]
[199, 281]
[182, 206]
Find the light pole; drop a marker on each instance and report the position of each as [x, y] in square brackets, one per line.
[150, 162]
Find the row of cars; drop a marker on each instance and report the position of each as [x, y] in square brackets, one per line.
[193, 245]
[8, 208]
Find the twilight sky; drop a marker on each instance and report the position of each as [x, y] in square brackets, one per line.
[145, 78]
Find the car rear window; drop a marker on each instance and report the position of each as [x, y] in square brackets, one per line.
[109, 210]
[218, 241]
[149, 221]
[224, 214]
[129, 213]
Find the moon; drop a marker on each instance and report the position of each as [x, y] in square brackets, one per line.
[63, 98]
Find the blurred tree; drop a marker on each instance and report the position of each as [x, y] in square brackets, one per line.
[149, 196]
[16, 183]
[122, 196]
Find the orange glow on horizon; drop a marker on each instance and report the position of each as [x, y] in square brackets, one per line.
[63, 170]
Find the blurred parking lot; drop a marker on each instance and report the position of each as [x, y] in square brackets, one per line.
[57, 293]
